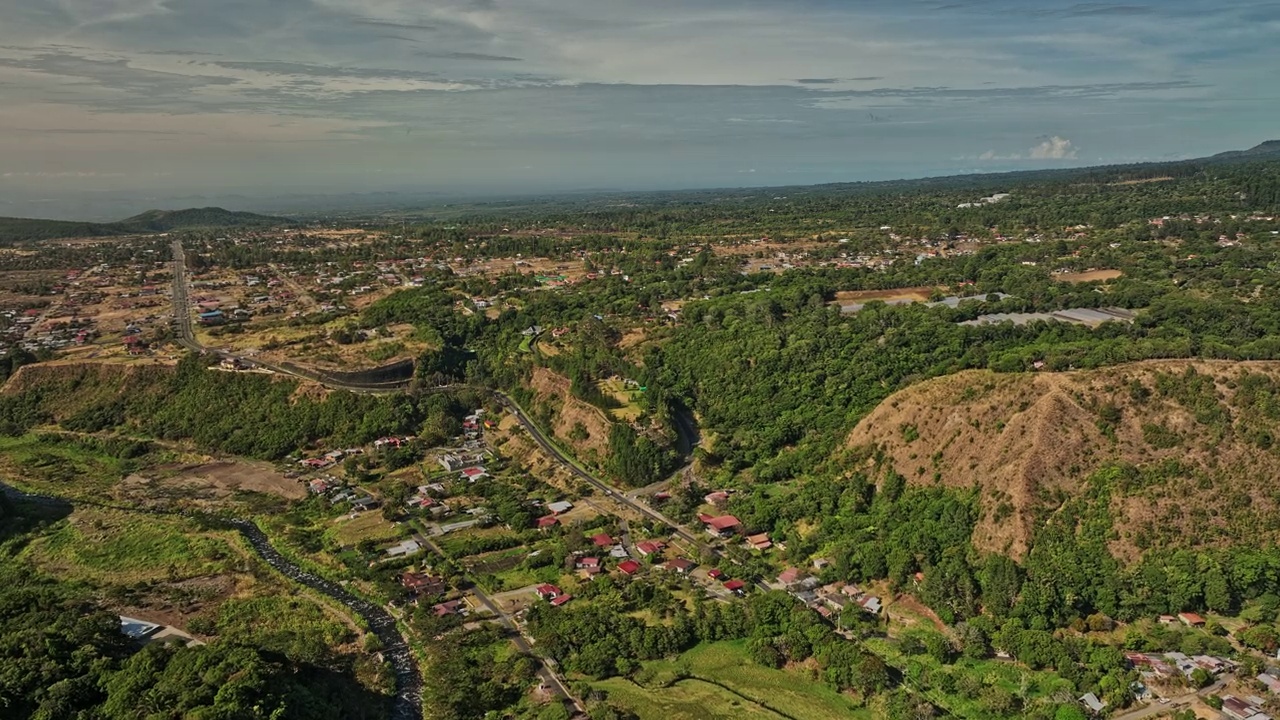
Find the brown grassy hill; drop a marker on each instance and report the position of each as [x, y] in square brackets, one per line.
[73, 386]
[1198, 435]
[551, 389]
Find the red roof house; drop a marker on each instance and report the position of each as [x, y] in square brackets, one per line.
[736, 586]
[547, 591]
[629, 567]
[721, 526]
[560, 600]
[453, 607]
[547, 521]
[680, 565]
[602, 540]
[649, 547]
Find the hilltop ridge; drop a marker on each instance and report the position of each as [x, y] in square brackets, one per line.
[1028, 441]
[13, 230]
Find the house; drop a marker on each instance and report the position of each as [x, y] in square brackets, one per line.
[453, 463]
[1168, 619]
[819, 564]
[737, 587]
[789, 576]
[422, 584]
[617, 552]
[473, 474]
[214, 317]
[760, 541]
[1271, 681]
[1237, 708]
[722, 526]
[364, 503]
[661, 496]
[403, 549]
[546, 591]
[871, 604]
[1212, 665]
[559, 600]
[718, 499]
[1092, 702]
[560, 508]
[547, 521]
[602, 540]
[1191, 619]
[650, 547]
[629, 567]
[680, 565]
[590, 564]
[715, 573]
[452, 607]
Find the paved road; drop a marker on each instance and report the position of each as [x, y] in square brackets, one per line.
[187, 339]
[408, 700]
[550, 678]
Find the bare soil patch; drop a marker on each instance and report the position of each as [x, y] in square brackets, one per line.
[214, 481]
[553, 388]
[1089, 276]
[918, 294]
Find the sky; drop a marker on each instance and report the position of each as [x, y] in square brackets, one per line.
[161, 99]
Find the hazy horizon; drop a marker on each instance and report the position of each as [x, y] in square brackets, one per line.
[111, 103]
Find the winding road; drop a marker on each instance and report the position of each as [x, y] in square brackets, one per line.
[407, 704]
[182, 311]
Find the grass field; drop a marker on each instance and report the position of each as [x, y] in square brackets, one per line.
[686, 700]
[630, 409]
[1015, 678]
[68, 468]
[725, 683]
[365, 526]
[113, 547]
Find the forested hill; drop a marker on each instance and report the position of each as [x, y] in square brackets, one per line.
[16, 230]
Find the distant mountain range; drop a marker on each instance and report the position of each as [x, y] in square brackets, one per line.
[420, 205]
[15, 230]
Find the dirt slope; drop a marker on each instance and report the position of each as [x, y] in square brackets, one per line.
[552, 389]
[1030, 440]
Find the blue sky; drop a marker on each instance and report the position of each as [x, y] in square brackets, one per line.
[519, 96]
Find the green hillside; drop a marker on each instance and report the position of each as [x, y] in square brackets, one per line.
[20, 230]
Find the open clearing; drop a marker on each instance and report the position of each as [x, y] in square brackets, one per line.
[226, 478]
[1090, 276]
[685, 700]
[725, 683]
[916, 294]
[111, 547]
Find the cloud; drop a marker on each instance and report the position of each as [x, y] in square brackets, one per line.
[1096, 9]
[369, 22]
[469, 56]
[1054, 148]
[1050, 148]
